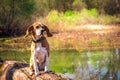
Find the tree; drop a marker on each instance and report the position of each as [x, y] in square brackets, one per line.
[104, 6]
[78, 5]
[13, 14]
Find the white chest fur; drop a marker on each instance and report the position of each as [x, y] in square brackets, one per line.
[40, 52]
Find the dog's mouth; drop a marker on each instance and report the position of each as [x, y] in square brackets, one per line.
[38, 32]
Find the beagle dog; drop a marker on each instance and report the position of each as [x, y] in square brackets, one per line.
[39, 47]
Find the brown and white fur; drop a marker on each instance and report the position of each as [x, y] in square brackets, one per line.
[39, 49]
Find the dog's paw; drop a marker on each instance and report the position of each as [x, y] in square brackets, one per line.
[37, 73]
[31, 72]
[46, 71]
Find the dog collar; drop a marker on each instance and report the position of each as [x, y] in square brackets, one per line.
[38, 40]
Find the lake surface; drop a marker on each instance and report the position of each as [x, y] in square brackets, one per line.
[98, 65]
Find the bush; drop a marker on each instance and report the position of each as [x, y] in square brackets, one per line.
[64, 21]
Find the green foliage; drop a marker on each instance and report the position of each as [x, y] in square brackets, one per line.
[27, 7]
[107, 19]
[14, 14]
[104, 6]
[72, 18]
[88, 16]
[8, 41]
[53, 16]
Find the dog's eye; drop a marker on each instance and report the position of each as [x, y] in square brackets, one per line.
[42, 27]
[37, 27]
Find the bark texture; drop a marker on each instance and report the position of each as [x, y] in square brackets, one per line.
[13, 70]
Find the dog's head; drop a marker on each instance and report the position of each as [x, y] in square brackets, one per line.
[38, 29]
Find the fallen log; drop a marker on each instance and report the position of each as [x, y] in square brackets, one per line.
[13, 70]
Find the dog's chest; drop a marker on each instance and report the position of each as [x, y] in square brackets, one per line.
[40, 52]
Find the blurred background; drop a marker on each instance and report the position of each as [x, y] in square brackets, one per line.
[86, 41]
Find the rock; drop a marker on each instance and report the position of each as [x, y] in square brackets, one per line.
[13, 70]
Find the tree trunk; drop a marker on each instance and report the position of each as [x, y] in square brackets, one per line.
[13, 70]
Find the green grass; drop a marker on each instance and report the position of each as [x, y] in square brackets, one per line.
[18, 55]
[61, 60]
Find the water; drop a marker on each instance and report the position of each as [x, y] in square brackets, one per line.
[98, 66]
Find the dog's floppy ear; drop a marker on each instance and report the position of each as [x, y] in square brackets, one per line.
[29, 31]
[49, 34]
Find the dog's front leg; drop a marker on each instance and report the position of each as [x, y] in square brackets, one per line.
[35, 64]
[46, 69]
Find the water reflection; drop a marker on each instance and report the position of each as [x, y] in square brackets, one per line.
[98, 66]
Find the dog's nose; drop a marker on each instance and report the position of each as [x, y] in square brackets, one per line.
[42, 31]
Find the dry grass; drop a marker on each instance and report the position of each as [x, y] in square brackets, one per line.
[87, 37]
[78, 37]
